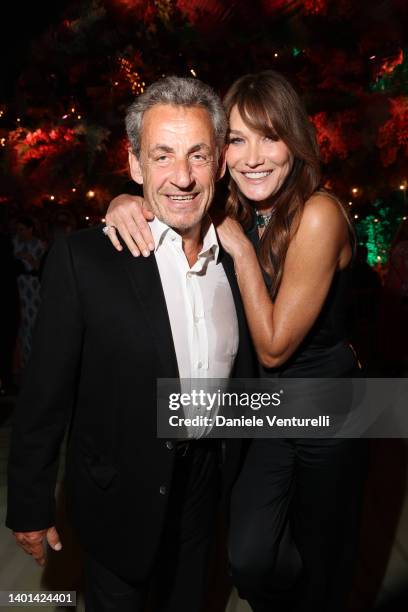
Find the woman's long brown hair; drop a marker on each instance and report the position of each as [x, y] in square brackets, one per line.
[268, 104]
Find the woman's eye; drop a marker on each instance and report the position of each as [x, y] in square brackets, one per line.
[271, 138]
[235, 140]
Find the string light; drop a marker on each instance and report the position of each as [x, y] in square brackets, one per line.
[354, 190]
[350, 203]
[403, 187]
[356, 216]
[103, 220]
[79, 117]
[1, 113]
[73, 190]
[90, 194]
[2, 142]
[275, 55]
[404, 218]
[18, 119]
[131, 75]
[193, 72]
[86, 218]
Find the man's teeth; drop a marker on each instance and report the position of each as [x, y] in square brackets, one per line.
[257, 175]
[181, 198]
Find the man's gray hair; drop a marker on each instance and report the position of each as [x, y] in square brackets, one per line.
[176, 91]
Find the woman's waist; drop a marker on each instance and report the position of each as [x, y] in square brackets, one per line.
[318, 360]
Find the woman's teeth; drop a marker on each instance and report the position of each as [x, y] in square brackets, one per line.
[257, 175]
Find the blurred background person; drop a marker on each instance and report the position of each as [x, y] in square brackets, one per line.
[28, 251]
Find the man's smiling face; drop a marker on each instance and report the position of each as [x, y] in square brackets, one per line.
[177, 164]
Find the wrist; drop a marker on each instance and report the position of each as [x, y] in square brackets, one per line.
[243, 251]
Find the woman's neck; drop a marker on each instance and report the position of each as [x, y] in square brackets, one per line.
[263, 208]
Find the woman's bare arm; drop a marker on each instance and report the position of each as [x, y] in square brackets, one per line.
[319, 247]
[128, 216]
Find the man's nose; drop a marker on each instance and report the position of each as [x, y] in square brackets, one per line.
[182, 175]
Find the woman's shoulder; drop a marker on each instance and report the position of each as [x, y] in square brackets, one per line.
[324, 211]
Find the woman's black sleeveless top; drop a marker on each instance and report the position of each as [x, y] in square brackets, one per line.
[325, 351]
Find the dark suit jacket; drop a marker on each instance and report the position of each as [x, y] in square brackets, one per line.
[102, 339]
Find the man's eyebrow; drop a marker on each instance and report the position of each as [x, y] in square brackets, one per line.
[161, 147]
[199, 147]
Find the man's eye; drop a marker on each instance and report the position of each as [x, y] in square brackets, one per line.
[162, 158]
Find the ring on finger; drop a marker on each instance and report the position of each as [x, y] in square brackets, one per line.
[107, 228]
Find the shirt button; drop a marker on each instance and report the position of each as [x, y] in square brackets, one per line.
[199, 365]
[169, 445]
[162, 490]
[189, 274]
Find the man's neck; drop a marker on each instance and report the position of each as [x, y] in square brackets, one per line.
[192, 241]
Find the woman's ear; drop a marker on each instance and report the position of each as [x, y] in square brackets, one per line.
[222, 163]
[135, 169]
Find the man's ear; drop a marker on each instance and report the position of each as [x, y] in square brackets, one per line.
[135, 169]
[222, 164]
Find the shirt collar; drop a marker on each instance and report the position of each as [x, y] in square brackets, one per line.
[210, 241]
[161, 232]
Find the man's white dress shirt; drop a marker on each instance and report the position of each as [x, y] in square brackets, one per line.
[200, 305]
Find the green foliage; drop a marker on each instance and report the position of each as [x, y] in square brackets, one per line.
[377, 230]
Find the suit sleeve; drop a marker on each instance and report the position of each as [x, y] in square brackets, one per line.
[47, 397]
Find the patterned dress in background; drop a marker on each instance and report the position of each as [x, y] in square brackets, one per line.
[29, 292]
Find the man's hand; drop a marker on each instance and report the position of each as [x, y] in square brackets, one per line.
[33, 543]
[127, 215]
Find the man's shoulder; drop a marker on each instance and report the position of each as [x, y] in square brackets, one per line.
[90, 243]
[91, 249]
[86, 237]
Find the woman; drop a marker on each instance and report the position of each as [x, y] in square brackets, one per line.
[292, 247]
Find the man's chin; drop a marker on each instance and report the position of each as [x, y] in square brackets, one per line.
[183, 223]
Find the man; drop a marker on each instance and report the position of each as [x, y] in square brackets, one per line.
[109, 326]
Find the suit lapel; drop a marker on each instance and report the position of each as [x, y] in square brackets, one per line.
[145, 280]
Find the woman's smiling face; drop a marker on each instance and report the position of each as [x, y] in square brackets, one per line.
[257, 163]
